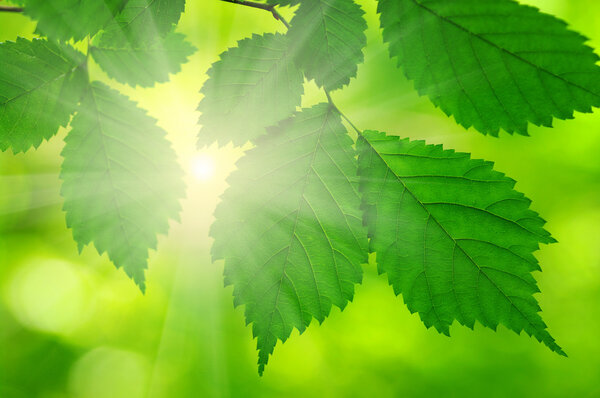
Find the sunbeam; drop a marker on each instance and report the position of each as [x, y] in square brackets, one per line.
[203, 167]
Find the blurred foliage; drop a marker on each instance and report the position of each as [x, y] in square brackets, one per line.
[73, 327]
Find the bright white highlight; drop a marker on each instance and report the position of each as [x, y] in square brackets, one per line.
[203, 167]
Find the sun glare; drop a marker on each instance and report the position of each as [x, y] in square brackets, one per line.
[203, 167]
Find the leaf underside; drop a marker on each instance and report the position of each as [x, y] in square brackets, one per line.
[144, 21]
[121, 179]
[328, 38]
[40, 85]
[139, 63]
[492, 64]
[454, 237]
[139, 46]
[290, 228]
[254, 85]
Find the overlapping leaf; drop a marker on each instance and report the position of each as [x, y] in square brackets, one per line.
[493, 64]
[254, 85]
[144, 21]
[40, 85]
[141, 63]
[121, 180]
[454, 237]
[289, 228]
[328, 38]
[72, 19]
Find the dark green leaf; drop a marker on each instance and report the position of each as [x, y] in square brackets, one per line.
[493, 64]
[121, 180]
[454, 237]
[72, 19]
[290, 229]
[40, 85]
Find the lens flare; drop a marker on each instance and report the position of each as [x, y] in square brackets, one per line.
[203, 167]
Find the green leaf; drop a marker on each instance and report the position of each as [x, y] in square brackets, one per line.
[493, 64]
[453, 235]
[40, 85]
[121, 180]
[254, 85]
[141, 64]
[328, 38]
[290, 229]
[283, 2]
[72, 19]
[145, 21]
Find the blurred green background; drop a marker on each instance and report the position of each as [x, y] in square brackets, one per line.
[73, 326]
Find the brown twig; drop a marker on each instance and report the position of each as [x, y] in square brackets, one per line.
[267, 7]
[10, 9]
[271, 9]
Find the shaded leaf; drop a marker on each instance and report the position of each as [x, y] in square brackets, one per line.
[72, 19]
[493, 64]
[40, 85]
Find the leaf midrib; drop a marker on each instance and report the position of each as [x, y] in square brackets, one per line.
[44, 84]
[456, 244]
[302, 198]
[122, 219]
[494, 45]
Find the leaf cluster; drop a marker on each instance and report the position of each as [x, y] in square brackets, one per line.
[310, 201]
[453, 236]
[121, 179]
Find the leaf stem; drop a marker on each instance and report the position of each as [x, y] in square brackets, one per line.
[10, 9]
[267, 7]
[359, 132]
[334, 106]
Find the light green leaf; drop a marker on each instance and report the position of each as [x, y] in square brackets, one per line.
[121, 180]
[328, 38]
[72, 19]
[254, 85]
[290, 229]
[493, 64]
[142, 64]
[454, 237]
[145, 21]
[40, 85]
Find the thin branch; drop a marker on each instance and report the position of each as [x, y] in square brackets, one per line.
[279, 17]
[271, 8]
[10, 9]
[267, 7]
[329, 98]
[334, 106]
